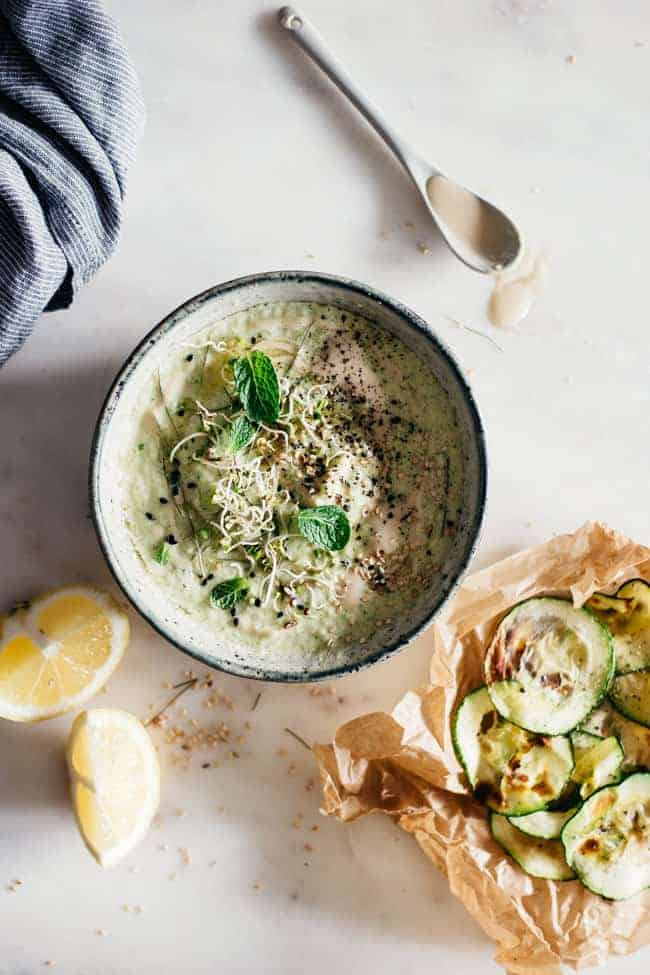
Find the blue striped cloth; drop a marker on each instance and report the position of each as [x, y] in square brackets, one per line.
[71, 114]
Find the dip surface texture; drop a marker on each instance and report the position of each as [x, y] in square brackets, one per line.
[363, 425]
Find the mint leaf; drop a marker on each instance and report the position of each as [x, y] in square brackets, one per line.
[240, 434]
[326, 526]
[228, 593]
[257, 387]
[161, 554]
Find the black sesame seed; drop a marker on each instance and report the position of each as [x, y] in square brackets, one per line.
[191, 485]
[163, 500]
[253, 340]
[175, 490]
[279, 615]
[180, 412]
[258, 601]
[188, 358]
[235, 621]
[171, 540]
[148, 515]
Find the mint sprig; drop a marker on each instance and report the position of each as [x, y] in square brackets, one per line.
[326, 526]
[257, 386]
[228, 593]
[240, 434]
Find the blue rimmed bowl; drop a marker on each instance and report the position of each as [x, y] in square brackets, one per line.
[118, 415]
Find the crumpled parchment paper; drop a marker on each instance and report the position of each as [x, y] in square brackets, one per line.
[404, 765]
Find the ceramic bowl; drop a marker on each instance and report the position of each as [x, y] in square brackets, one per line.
[118, 412]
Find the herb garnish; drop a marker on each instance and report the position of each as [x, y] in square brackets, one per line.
[326, 526]
[228, 593]
[257, 386]
[241, 434]
[161, 554]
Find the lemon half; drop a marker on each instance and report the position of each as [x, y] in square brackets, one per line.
[59, 651]
[115, 781]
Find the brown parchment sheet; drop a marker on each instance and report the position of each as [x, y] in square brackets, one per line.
[403, 764]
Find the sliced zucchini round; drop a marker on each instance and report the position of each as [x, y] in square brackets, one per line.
[607, 842]
[627, 616]
[598, 761]
[538, 857]
[513, 771]
[545, 825]
[605, 720]
[630, 694]
[548, 665]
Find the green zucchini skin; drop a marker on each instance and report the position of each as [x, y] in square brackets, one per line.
[513, 771]
[582, 835]
[540, 858]
[548, 665]
[545, 825]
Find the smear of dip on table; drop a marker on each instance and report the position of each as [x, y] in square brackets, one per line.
[215, 502]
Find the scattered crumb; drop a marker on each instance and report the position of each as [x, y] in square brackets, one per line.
[309, 785]
[185, 855]
[423, 248]
[409, 223]
[100, 932]
[256, 886]
[384, 235]
[315, 829]
[571, 59]
[308, 847]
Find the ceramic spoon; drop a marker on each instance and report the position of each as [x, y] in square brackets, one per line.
[477, 232]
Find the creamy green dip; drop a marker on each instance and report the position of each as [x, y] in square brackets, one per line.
[363, 425]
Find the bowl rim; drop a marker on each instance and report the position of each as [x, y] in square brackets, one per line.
[166, 324]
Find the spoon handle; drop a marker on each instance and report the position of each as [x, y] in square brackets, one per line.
[308, 38]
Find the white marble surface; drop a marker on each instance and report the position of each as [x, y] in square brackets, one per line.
[251, 162]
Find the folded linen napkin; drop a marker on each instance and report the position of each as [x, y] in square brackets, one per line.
[71, 114]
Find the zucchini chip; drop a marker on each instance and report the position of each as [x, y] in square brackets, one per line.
[627, 616]
[548, 665]
[630, 694]
[607, 842]
[598, 761]
[538, 857]
[512, 771]
[545, 825]
[605, 720]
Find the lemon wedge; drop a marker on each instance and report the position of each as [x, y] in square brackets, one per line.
[115, 781]
[57, 651]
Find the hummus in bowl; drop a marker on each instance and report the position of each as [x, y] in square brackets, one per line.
[288, 476]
